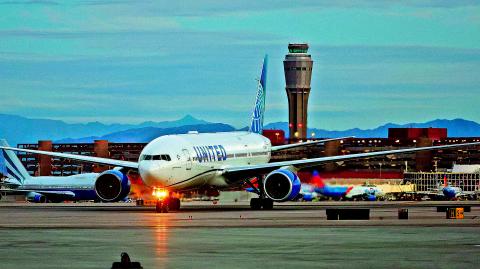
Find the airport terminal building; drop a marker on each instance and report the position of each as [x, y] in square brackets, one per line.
[390, 167]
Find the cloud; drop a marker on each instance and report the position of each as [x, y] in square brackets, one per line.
[145, 60]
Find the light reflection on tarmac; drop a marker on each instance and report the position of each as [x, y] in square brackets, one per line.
[56, 237]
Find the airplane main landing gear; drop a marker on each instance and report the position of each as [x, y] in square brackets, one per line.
[259, 203]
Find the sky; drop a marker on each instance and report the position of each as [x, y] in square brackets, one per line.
[120, 61]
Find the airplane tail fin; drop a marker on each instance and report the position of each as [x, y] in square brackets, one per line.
[11, 166]
[259, 109]
[317, 180]
[445, 181]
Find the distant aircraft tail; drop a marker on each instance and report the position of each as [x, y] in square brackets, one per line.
[445, 181]
[11, 166]
[317, 180]
[259, 109]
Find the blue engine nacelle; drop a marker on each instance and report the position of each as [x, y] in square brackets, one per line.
[370, 194]
[112, 186]
[282, 185]
[449, 192]
[36, 197]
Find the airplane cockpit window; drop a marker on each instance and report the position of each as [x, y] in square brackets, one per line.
[146, 157]
[166, 157]
[163, 157]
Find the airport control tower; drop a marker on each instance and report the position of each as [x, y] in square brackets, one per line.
[298, 74]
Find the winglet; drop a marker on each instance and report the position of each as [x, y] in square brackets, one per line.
[259, 109]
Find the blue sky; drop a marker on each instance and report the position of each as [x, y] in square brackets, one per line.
[132, 61]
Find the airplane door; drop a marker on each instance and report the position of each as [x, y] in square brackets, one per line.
[186, 153]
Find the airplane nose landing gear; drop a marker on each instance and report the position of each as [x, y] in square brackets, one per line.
[165, 202]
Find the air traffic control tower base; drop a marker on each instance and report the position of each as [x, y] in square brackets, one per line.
[298, 74]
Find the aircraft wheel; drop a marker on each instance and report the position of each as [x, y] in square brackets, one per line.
[267, 204]
[161, 207]
[165, 208]
[255, 203]
[158, 206]
[174, 204]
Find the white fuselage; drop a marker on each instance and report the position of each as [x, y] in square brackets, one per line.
[73, 182]
[192, 160]
[364, 190]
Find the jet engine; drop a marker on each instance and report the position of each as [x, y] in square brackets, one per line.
[36, 197]
[451, 192]
[370, 194]
[112, 186]
[282, 185]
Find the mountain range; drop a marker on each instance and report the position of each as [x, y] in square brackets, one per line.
[17, 129]
[147, 134]
[456, 128]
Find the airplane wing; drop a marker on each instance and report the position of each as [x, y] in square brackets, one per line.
[289, 146]
[255, 170]
[88, 159]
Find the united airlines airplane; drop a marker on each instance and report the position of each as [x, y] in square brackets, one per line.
[58, 188]
[175, 163]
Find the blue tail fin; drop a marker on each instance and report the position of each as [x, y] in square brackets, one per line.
[11, 166]
[259, 109]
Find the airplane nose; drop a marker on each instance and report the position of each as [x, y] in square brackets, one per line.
[150, 174]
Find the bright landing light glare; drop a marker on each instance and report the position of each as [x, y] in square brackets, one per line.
[160, 193]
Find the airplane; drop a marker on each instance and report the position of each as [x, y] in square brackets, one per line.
[42, 189]
[173, 164]
[365, 192]
[307, 192]
[448, 192]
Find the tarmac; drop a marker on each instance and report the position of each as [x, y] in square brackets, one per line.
[229, 235]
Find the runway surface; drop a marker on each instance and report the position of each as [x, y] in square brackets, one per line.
[204, 235]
